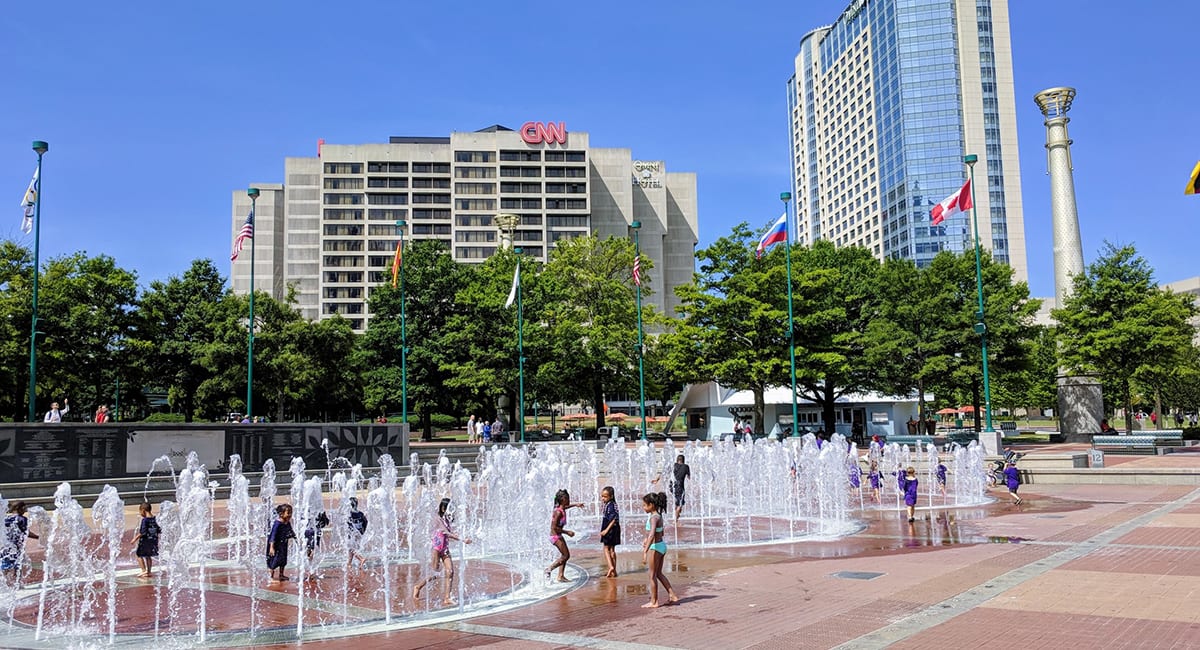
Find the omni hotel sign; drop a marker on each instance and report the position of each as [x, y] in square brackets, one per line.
[544, 132]
[647, 173]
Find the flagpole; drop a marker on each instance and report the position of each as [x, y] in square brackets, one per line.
[520, 350]
[786, 197]
[637, 248]
[253, 194]
[403, 335]
[41, 148]
[980, 326]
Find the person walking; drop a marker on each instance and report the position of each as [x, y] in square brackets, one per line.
[654, 547]
[145, 542]
[442, 535]
[559, 533]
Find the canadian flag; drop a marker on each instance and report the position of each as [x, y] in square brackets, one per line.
[958, 202]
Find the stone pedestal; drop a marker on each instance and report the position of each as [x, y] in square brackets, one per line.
[1080, 407]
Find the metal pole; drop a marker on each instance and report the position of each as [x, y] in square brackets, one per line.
[253, 194]
[980, 326]
[117, 401]
[520, 351]
[786, 197]
[41, 148]
[637, 248]
[403, 337]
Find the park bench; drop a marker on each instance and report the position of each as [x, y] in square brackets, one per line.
[910, 440]
[1153, 442]
[1007, 428]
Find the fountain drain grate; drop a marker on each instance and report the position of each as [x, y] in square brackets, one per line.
[857, 575]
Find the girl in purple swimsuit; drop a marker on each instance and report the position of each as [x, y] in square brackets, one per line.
[558, 533]
[442, 534]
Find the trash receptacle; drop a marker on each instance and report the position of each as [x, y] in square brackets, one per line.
[512, 437]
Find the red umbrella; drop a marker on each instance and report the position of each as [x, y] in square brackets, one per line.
[576, 416]
[947, 411]
[615, 416]
[966, 409]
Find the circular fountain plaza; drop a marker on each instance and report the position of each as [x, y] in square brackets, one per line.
[77, 585]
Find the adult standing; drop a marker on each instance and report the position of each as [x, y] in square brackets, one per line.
[471, 430]
[54, 414]
[101, 416]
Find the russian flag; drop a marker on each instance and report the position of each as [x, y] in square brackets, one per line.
[775, 234]
[954, 204]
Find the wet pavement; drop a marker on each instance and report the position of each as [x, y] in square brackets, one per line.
[1089, 566]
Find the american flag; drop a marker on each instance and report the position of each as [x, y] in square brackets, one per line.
[247, 232]
[637, 270]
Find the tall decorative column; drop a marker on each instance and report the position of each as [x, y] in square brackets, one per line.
[1080, 403]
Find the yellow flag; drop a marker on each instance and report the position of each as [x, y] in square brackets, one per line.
[1193, 186]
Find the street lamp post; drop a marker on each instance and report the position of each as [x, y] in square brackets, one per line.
[41, 148]
[786, 197]
[637, 281]
[991, 442]
[400, 223]
[253, 194]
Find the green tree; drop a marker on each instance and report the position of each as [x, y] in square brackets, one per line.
[1008, 314]
[732, 325]
[174, 326]
[16, 274]
[836, 300]
[587, 309]
[432, 279]
[1118, 324]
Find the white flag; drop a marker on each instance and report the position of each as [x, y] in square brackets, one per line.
[30, 200]
[512, 293]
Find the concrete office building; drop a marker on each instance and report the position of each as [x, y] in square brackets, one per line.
[329, 231]
[883, 106]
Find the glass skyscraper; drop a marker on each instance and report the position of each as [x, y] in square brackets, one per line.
[883, 105]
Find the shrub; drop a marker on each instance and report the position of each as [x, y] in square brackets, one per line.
[165, 417]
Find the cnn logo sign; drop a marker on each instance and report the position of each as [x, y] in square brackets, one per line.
[544, 132]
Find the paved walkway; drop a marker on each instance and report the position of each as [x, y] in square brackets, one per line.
[1087, 566]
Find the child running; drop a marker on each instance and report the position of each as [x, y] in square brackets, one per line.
[1012, 478]
[16, 530]
[876, 484]
[357, 521]
[559, 533]
[145, 543]
[442, 534]
[680, 473]
[654, 548]
[908, 485]
[610, 530]
[941, 477]
[277, 542]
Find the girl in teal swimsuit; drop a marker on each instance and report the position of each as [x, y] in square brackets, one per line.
[654, 549]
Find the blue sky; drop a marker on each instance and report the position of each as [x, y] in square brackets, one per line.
[156, 111]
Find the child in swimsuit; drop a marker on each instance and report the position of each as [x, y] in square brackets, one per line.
[654, 549]
[558, 533]
[442, 534]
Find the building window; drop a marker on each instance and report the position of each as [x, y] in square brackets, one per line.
[343, 230]
[556, 156]
[474, 156]
[343, 214]
[376, 245]
[576, 156]
[474, 219]
[482, 205]
[343, 199]
[343, 168]
[475, 172]
[342, 260]
[390, 199]
[385, 182]
[434, 183]
[386, 215]
[343, 245]
[387, 167]
[474, 252]
[343, 183]
[434, 214]
[474, 188]
[527, 235]
[343, 292]
[475, 236]
[381, 229]
[564, 221]
[523, 156]
[348, 277]
[431, 198]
